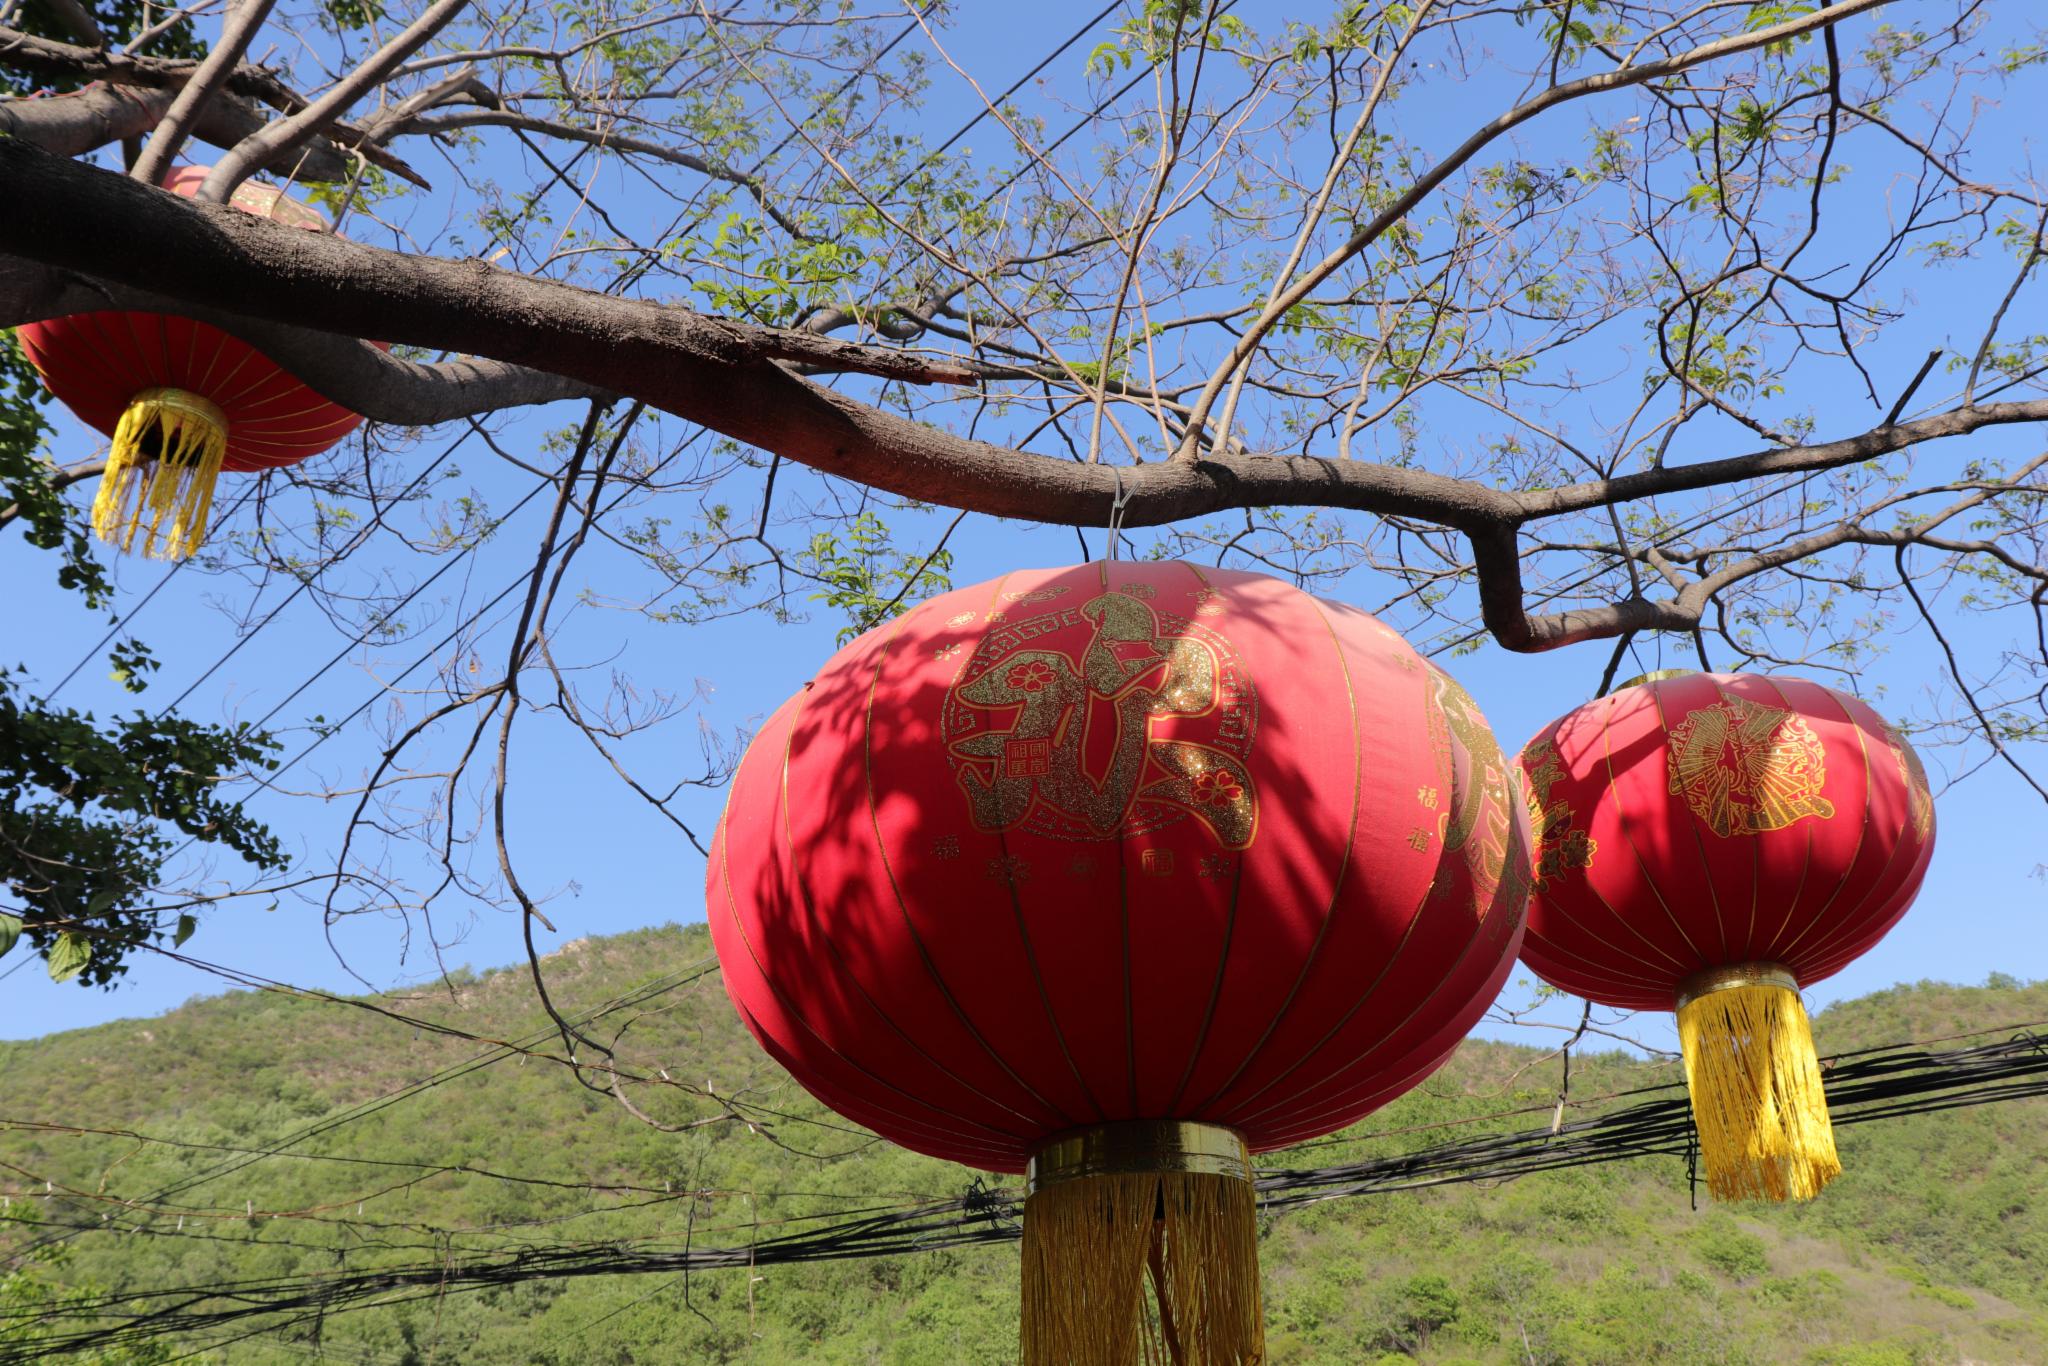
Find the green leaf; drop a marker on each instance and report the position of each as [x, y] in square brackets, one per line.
[69, 955]
[186, 924]
[10, 930]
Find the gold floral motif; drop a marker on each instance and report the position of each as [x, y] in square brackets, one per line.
[960, 619]
[1038, 594]
[1483, 809]
[1069, 748]
[1919, 796]
[1745, 768]
[1560, 846]
[1009, 868]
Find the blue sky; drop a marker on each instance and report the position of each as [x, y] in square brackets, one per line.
[610, 863]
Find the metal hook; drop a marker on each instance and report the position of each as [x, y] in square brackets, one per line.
[1116, 509]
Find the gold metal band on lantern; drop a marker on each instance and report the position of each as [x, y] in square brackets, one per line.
[184, 401]
[1140, 1146]
[1729, 976]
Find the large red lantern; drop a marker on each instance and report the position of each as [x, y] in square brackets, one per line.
[1711, 843]
[182, 401]
[1113, 875]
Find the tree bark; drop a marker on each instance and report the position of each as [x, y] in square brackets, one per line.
[26, 52]
[360, 377]
[731, 377]
[86, 120]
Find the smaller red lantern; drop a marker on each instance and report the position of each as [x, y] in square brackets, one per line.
[182, 401]
[1710, 843]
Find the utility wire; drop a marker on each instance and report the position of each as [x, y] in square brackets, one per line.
[1867, 1087]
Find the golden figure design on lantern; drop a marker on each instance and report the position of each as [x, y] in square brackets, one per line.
[1745, 768]
[1064, 745]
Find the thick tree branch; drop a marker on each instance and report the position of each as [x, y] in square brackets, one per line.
[237, 30]
[1825, 455]
[380, 386]
[77, 21]
[274, 139]
[83, 121]
[44, 57]
[725, 375]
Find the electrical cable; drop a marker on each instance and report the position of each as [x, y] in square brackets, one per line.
[1870, 1086]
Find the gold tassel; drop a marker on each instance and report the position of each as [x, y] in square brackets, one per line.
[168, 448]
[1156, 1265]
[1756, 1088]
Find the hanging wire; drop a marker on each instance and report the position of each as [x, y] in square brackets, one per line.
[1867, 1086]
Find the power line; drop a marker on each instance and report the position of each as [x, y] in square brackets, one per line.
[495, 1054]
[1865, 1087]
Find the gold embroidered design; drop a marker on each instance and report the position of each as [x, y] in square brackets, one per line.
[1745, 768]
[1560, 845]
[1919, 796]
[1038, 594]
[1009, 868]
[1073, 704]
[1484, 803]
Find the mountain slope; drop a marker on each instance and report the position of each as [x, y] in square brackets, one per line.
[1929, 1249]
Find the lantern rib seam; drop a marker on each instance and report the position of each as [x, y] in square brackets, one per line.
[1222, 954]
[1792, 902]
[889, 872]
[1477, 940]
[1691, 823]
[1123, 911]
[1337, 887]
[1843, 922]
[845, 969]
[1621, 824]
[739, 926]
[1215, 991]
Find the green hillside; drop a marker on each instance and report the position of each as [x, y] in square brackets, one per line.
[1930, 1249]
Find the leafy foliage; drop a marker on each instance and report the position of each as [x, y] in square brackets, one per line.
[87, 810]
[86, 820]
[1605, 1266]
[119, 21]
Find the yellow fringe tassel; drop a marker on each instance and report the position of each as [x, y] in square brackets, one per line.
[167, 453]
[1096, 1245]
[1756, 1093]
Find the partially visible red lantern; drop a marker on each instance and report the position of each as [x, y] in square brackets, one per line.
[182, 401]
[1113, 875]
[1710, 843]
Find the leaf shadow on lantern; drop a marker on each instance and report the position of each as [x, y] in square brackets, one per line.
[969, 987]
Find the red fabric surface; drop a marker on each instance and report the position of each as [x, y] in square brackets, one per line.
[1117, 841]
[1713, 819]
[95, 363]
